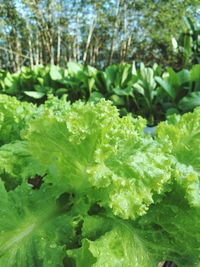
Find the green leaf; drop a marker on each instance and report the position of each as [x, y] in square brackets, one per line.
[195, 77]
[167, 87]
[182, 138]
[55, 73]
[123, 92]
[117, 100]
[109, 194]
[95, 146]
[138, 88]
[190, 101]
[171, 111]
[195, 73]
[125, 73]
[61, 91]
[74, 68]
[119, 247]
[35, 95]
[16, 165]
[13, 117]
[169, 234]
[173, 78]
[95, 97]
[189, 24]
[184, 76]
[41, 81]
[8, 80]
[91, 82]
[31, 232]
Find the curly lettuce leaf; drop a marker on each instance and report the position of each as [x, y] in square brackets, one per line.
[13, 117]
[171, 230]
[110, 195]
[183, 138]
[34, 227]
[118, 247]
[16, 165]
[90, 146]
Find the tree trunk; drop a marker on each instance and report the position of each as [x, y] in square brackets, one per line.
[115, 27]
[49, 28]
[96, 50]
[45, 28]
[77, 40]
[50, 31]
[70, 51]
[74, 54]
[30, 51]
[122, 51]
[37, 50]
[91, 30]
[30, 45]
[58, 46]
[78, 52]
[91, 53]
[128, 44]
[11, 57]
[17, 49]
[52, 52]
[17, 57]
[40, 47]
[127, 39]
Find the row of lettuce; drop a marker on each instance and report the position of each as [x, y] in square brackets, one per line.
[148, 91]
[82, 186]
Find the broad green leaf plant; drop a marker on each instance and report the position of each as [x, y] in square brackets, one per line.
[137, 89]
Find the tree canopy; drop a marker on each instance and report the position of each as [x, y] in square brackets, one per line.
[94, 32]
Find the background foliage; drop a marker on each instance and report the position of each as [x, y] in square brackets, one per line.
[98, 32]
[151, 92]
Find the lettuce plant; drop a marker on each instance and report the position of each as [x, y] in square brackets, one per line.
[81, 186]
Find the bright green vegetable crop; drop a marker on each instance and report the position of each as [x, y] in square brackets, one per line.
[82, 187]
